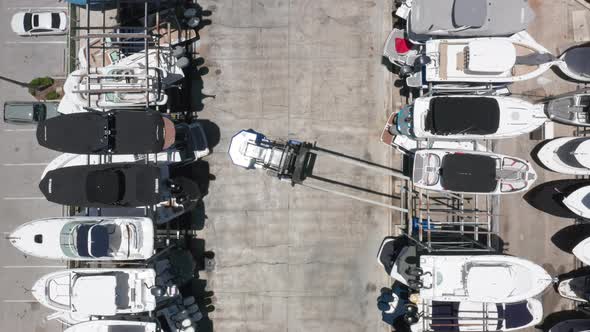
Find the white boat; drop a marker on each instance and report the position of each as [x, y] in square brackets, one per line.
[566, 155]
[86, 238]
[105, 325]
[579, 202]
[572, 108]
[484, 278]
[97, 292]
[582, 251]
[467, 117]
[471, 172]
[572, 325]
[490, 60]
[113, 87]
[576, 289]
[467, 316]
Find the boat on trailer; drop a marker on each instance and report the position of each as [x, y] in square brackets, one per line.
[471, 172]
[579, 202]
[86, 238]
[426, 19]
[571, 108]
[466, 117]
[566, 155]
[460, 278]
[97, 292]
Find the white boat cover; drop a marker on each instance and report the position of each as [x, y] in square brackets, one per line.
[491, 55]
[96, 294]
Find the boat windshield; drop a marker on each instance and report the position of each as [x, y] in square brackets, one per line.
[68, 238]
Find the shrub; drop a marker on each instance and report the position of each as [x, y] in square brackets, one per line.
[52, 95]
[41, 82]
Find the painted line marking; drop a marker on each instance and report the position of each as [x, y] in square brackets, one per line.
[26, 164]
[20, 130]
[36, 42]
[34, 266]
[22, 198]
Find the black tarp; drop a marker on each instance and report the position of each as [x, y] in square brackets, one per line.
[74, 133]
[117, 132]
[462, 115]
[96, 236]
[566, 152]
[74, 185]
[468, 173]
[138, 132]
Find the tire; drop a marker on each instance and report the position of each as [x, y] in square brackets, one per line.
[415, 284]
[405, 70]
[415, 271]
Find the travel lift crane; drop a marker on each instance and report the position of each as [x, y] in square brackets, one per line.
[293, 161]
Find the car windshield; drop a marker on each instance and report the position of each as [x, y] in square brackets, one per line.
[39, 112]
[67, 239]
[55, 21]
[36, 21]
[28, 25]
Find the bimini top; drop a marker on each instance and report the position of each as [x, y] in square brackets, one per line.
[117, 131]
[457, 115]
[103, 185]
[92, 241]
[468, 173]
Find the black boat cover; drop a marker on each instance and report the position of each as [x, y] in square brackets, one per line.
[462, 115]
[94, 236]
[138, 132]
[116, 132]
[468, 173]
[576, 59]
[74, 133]
[104, 185]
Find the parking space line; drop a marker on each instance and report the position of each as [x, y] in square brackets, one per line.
[20, 130]
[36, 42]
[23, 198]
[34, 266]
[26, 164]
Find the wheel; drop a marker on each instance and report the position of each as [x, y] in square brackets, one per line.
[178, 52]
[411, 309]
[193, 22]
[415, 271]
[415, 284]
[411, 319]
[191, 12]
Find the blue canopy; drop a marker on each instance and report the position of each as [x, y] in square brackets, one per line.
[95, 237]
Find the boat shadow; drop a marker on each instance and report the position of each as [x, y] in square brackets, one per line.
[569, 237]
[557, 317]
[548, 197]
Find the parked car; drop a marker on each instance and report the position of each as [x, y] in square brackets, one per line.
[38, 23]
[24, 112]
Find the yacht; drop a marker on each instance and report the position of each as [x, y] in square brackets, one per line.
[582, 251]
[571, 108]
[579, 202]
[466, 117]
[121, 185]
[86, 238]
[471, 172]
[97, 292]
[112, 132]
[566, 155]
[574, 62]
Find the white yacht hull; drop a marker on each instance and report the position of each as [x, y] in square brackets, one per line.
[486, 278]
[582, 251]
[576, 162]
[578, 203]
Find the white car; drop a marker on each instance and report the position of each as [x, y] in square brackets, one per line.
[29, 23]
